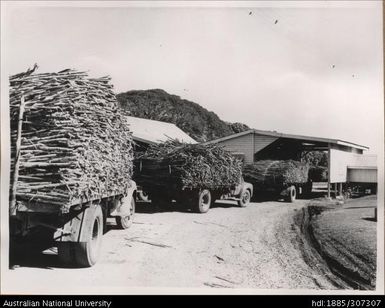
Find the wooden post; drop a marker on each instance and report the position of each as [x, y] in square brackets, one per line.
[340, 189]
[253, 135]
[329, 170]
[12, 202]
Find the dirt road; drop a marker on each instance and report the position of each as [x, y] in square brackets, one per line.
[229, 247]
[346, 238]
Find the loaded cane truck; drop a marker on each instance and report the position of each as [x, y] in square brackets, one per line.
[199, 200]
[289, 192]
[71, 162]
[285, 178]
[78, 233]
[192, 175]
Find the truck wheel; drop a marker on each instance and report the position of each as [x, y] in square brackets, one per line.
[124, 222]
[245, 198]
[292, 194]
[87, 250]
[142, 196]
[66, 253]
[204, 201]
[84, 249]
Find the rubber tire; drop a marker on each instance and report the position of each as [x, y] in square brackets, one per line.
[245, 198]
[292, 194]
[203, 202]
[86, 251]
[124, 222]
[142, 196]
[66, 253]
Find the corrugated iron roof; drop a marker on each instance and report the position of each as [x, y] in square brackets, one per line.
[291, 136]
[151, 131]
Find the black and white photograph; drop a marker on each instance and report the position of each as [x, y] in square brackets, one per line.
[192, 147]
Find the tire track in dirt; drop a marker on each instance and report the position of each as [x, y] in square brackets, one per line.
[257, 247]
[318, 254]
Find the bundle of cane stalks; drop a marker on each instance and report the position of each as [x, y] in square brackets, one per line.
[276, 173]
[187, 166]
[68, 139]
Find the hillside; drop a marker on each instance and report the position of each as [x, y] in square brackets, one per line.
[196, 121]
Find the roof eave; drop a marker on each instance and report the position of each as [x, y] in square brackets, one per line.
[352, 145]
[230, 137]
[281, 135]
[144, 140]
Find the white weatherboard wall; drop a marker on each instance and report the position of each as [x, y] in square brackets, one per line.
[242, 144]
[362, 174]
[248, 145]
[364, 161]
[262, 141]
[341, 160]
[363, 169]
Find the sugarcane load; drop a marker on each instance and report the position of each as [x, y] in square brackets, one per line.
[288, 178]
[70, 149]
[194, 174]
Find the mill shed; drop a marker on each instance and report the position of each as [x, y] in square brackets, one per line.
[145, 132]
[253, 145]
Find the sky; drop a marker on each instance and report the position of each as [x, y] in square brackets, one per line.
[299, 67]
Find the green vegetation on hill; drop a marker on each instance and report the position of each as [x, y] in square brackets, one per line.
[196, 121]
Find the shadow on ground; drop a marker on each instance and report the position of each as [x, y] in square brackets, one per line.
[150, 208]
[38, 250]
[24, 254]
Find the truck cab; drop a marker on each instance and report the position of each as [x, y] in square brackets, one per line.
[242, 193]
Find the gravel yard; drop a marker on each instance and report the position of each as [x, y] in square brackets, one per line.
[346, 237]
[257, 247]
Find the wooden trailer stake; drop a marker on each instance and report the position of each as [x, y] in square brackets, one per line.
[12, 204]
